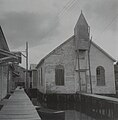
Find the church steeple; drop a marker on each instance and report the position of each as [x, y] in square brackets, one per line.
[81, 33]
[82, 21]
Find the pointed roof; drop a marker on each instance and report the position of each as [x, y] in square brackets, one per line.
[3, 41]
[73, 38]
[82, 20]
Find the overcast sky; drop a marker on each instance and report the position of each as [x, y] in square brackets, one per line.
[47, 23]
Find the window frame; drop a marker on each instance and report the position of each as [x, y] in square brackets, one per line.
[100, 76]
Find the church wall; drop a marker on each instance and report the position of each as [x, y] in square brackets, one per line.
[41, 83]
[64, 55]
[97, 58]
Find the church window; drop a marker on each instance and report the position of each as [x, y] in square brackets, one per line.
[59, 75]
[100, 75]
[98, 71]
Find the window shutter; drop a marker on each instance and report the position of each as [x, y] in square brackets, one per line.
[59, 75]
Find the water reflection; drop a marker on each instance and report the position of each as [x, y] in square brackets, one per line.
[76, 115]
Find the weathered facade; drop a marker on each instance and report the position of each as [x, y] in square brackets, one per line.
[77, 65]
[3, 80]
[6, 67]
[3, 67]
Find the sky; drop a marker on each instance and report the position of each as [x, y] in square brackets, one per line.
[45, 24]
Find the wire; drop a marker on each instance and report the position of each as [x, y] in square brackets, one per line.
[106, 28]
[67, 4]
[73, 5]
[68, 7]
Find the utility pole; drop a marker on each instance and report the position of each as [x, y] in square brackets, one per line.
[27, 81]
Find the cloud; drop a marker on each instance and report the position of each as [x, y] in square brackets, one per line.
[101, 11]
[20, 27]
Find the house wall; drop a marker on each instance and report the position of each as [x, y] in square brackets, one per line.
[97, 58]
[64, 55]
[3, 81]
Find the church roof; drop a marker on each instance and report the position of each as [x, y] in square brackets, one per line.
[72, 38]
[104, 52]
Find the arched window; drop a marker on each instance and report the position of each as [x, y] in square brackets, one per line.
[59, 75]
[100, 75]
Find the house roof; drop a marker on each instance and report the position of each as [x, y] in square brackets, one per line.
[105, 53]
[3, 41]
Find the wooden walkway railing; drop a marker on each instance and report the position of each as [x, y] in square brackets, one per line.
[105, 108]
[18, 107]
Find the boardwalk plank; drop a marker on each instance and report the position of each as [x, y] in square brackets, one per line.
[18, 107]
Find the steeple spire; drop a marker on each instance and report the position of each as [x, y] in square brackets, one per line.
[81, 32]
[82, 20]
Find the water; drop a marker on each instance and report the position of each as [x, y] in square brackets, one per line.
[72, 110]
[76, 115]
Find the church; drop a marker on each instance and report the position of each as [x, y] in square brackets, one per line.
[77, 65]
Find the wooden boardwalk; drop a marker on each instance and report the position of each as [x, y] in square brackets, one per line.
[18, 107]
